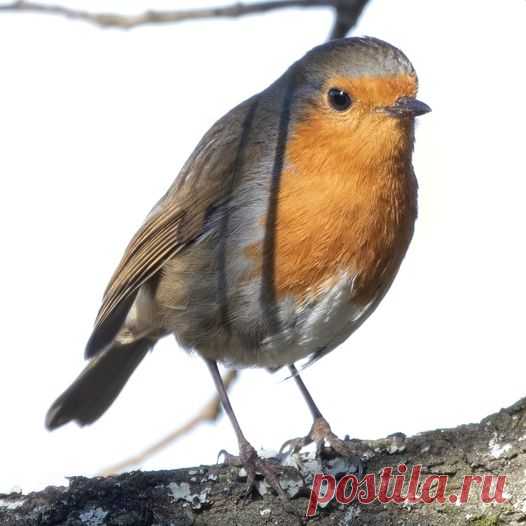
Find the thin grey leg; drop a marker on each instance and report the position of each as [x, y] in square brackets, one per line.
[248, 457]
[320, 430]
[225, 401]
[316, 413]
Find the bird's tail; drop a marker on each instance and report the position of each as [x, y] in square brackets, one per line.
[97, 386]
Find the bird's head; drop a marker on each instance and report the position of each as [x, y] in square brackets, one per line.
[359, 93]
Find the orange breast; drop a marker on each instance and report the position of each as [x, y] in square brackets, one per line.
[346, 203]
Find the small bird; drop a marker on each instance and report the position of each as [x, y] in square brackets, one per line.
[280, 236]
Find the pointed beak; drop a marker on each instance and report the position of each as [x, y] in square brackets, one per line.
[407, 107]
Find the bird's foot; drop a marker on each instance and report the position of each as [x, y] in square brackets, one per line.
[321, 433]
[253, 464]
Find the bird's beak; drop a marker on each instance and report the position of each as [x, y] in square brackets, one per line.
[407, 107]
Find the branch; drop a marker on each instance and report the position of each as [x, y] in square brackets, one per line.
[347, 15]
[209, 413]
[348, 12]
[211, 495]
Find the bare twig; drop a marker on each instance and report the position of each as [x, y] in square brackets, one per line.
[348, 12]
[209, 413]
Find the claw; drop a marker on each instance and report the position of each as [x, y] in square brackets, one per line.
[252, 463]
[320, 433]
[295, 444]
[226, 456]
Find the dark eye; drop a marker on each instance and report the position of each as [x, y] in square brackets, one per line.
[339, 100]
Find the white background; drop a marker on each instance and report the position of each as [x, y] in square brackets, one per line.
[94, 126]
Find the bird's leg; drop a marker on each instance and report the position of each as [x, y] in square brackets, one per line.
[320, 431]
[247, 458]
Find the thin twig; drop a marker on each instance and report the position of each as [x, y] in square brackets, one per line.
[209, 413]
[347, 11]
[347, 14]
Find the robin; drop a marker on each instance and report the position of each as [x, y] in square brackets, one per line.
[280, 236]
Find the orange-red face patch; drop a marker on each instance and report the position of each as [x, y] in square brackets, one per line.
[369, 92]
[347, 198]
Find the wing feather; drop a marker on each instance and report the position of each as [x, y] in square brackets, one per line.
[156, 242]
[179, 218]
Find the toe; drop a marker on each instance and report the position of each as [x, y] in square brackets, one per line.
[271, 474]
[294, 445]
[229, 459]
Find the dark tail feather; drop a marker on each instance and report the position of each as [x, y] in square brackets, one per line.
[103, 334]
[97, 385]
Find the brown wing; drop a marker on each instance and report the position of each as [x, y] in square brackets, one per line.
[178, 219]
[157, 240]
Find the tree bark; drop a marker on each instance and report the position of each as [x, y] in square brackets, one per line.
[213, 495]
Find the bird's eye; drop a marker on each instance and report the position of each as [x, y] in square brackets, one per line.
[339, 100]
